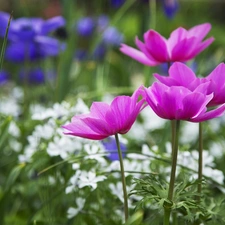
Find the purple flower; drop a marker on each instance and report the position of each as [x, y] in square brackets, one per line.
[40, 48]
[181, 46]
[100, 51]
[34, 76]
[182, 75]
[111, 147]
[180, 103]
[117, 3]
[111, 36]
[217, 85]
[170, 8]
[4, 18]
[102, 22]
[105, 120]
[29, 40]
[81, 54]
[85, 26]
[4, 77]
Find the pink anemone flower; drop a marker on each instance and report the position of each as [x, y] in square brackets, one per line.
[105, 120]
[182, 75]
[181, 46]
[180, 103]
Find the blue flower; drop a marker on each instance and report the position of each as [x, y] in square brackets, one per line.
[4, 77]
[99, 52]
[111, 36]
[29, 38]
[111, 147]
[117, 3]
[85, 26]
[170, 8]
[36, 76]
[81, 54]
[102, 22]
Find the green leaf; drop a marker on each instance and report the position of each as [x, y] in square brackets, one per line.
[135, 219]
[13, 176]
[4, 127]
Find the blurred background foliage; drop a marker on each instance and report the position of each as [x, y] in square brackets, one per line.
[86, 57]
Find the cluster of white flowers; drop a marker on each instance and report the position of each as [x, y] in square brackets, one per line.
[9, 105]
[50, 133]
[189, 160]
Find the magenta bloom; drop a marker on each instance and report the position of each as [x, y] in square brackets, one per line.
[182, 75]
[105, 120]
[217, 85]
[181, 46]
[180, 103]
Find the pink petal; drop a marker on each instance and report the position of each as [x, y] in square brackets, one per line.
[181, 50]
[203, 87]
[169, 105]
[218, 75]
[137, 55]
[156, 46]
[202, 46]
[193, 105]
[199, 31]
[182, 74]
[166, 80]
[99, 109]
[80, 129]
[175, 37]
[210, 115]
[98, 126]
[151, 98]
[119, 113]
[143, 48]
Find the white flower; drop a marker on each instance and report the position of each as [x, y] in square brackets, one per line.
[136, 156]
[89, 179]
[13, 129]
[57, 111]
[63, 146]
[46, 131]
[215, 174]
[151, 120]
[9, 106]
[189, 132]
[95, 151]
[72, 212]
[117, 190]
[80, 107]
[15, 145]
[217, 149]
[73, 182]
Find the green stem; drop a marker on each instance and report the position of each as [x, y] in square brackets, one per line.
[200, 161]
[173, 131]
[167, 210]
[166, 216]
[122, 10]
[175, 222]
[123, 178]
[152, 10]
[5, 42]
